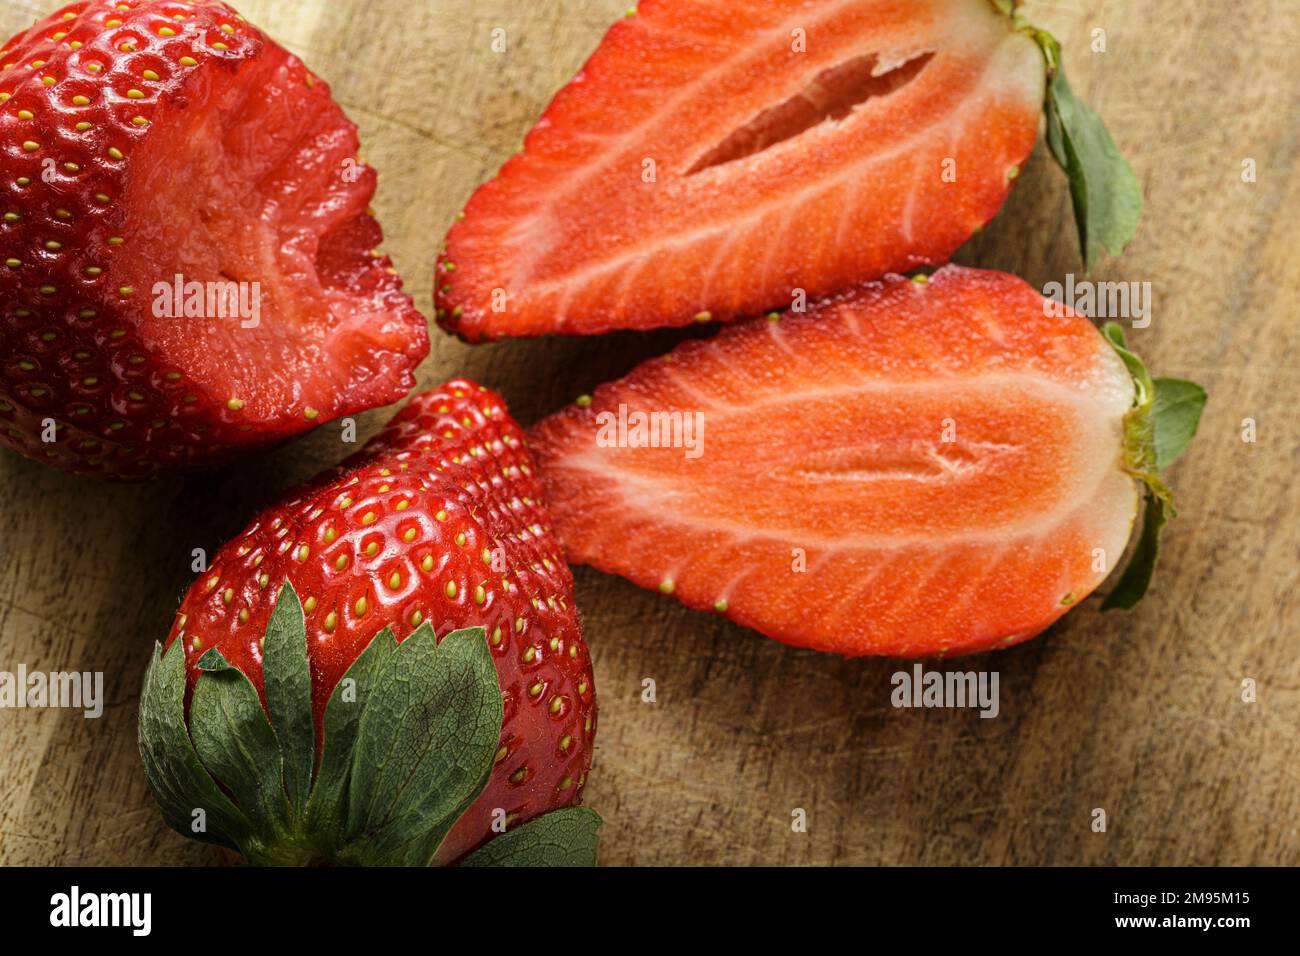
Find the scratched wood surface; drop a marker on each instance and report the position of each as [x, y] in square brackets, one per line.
[1138, 714]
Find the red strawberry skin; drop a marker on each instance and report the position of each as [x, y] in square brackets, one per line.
[754, 194]
[908, 469]
[439, 519]
[144, 140]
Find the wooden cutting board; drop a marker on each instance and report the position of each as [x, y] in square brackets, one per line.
[1139, 714]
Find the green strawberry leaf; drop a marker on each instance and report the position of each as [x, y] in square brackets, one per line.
[171, 765]
[326, 811]
[564, 837]
[1104, 190]
[236, 743]
[425, 747]
[409, 740]
[1113, 332]
[286, 678]
[1133, 583]
[1157, 429]
[1175, 416]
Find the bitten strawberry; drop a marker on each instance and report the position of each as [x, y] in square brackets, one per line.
[719, 160]
[382, 745]
[187, 262]
[912, 468]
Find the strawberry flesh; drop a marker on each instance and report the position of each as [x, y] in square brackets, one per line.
[912, 468]
[710, 162]
[177, 140]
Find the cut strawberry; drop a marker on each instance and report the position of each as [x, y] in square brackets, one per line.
[916, 467]
[712, 161]
[157, 147]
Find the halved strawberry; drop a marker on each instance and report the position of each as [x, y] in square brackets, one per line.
[718, 160]
[387, 739]
[913, 468]
[148, 140]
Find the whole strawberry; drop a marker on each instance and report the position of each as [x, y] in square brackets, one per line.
[187, 265]
[387, 666]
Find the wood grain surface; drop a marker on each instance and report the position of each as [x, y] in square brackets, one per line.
[1139, 714]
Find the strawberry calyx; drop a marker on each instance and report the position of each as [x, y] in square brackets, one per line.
[1104, 190]
[409, 740]
[1158, 428]
[1139, 427]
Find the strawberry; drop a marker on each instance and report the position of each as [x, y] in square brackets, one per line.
[154, 147]
[912, 468]
[321, 617]
[718, 160]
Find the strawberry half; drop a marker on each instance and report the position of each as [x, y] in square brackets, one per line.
[718, 160]
[154, 147]
[913, 468]
[422, 668]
